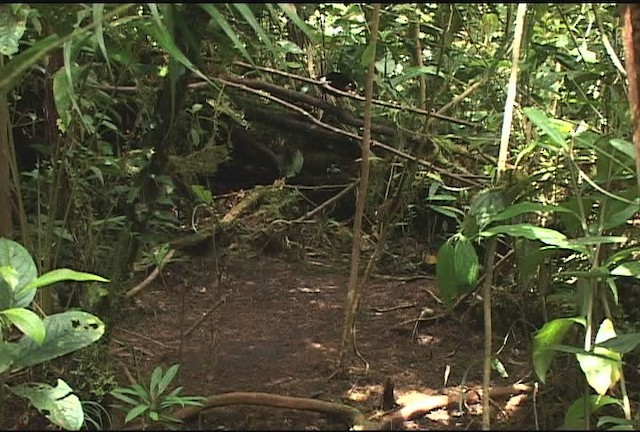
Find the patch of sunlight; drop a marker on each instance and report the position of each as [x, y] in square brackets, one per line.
[362, 394]
[320, 347]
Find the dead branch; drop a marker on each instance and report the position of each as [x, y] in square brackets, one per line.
[378, 102]
[154, 274]
[351, 135]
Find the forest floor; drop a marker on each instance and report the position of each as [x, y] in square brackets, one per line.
[274, 326]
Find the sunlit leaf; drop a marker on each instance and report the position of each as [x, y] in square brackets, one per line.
[248, 16]
[544, 340]
[602, 373]
[540, 119]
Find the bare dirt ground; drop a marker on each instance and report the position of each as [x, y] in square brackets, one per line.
[278, 331]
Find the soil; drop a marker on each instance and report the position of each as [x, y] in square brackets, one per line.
[278, 330]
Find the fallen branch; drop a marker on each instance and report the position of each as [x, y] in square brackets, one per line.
[154, 274]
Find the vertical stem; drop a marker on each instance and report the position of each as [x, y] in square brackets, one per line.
[491, 246]
[351, 304]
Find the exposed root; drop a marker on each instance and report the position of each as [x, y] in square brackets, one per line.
[415, 405]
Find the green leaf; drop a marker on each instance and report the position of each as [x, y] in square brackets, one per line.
[248, 16]
[531, 232]
[290, 11]
[15, 256]
[65, 333]
[58, 404]
[13, 23]
[119, 394]
[551, 334]
[8, 281]
[486, 205]
[156, 377]
[540, 119]
[622, 344]
[27, 322]
[98, 12]
[529, 207]
[202, 193]
[620, 423]
[8, 353]
[63, 91]
[631, 268]
[595, 240]
[466, 264]
[623, 146]
[224, 25]
[64, 274]
[498, 366]
[293, 169]
[162, 36]
[135, 412]
[168, 378]
[416, 71]
[448, 211]
[13, 70]
[446, 273]
[602, 373]
[368, 55]
[574, 416]
[617, 213]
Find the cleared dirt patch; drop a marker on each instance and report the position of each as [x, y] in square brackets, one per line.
[278, 331]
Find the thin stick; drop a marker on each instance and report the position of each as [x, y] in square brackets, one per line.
[204, 316]
[154, 274]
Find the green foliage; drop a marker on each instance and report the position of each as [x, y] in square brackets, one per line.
[151, 401]
[43, 339]
[457, 269]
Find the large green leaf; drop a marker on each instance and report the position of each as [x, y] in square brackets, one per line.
[617, 212]
[58, 404]
[631, 268]
[290, 11]
[13, 255]
[540, 119]
[602, 371]
[250, 18]
[466, 264]
[160, 33]
[529, 207]
[8, 281]
[486, 205]
[544, 341]
[532, 232]
[8, 353]
[13, 70]
[13, 23]
[63, 92]
[229, 31]
[27, 322]
[64, 274]
[65, 333]
[623, 343]
[446, 273]
[98, 12]
[574, 417]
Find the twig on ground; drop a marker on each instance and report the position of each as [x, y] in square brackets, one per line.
[204, 316]
[154, 274]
